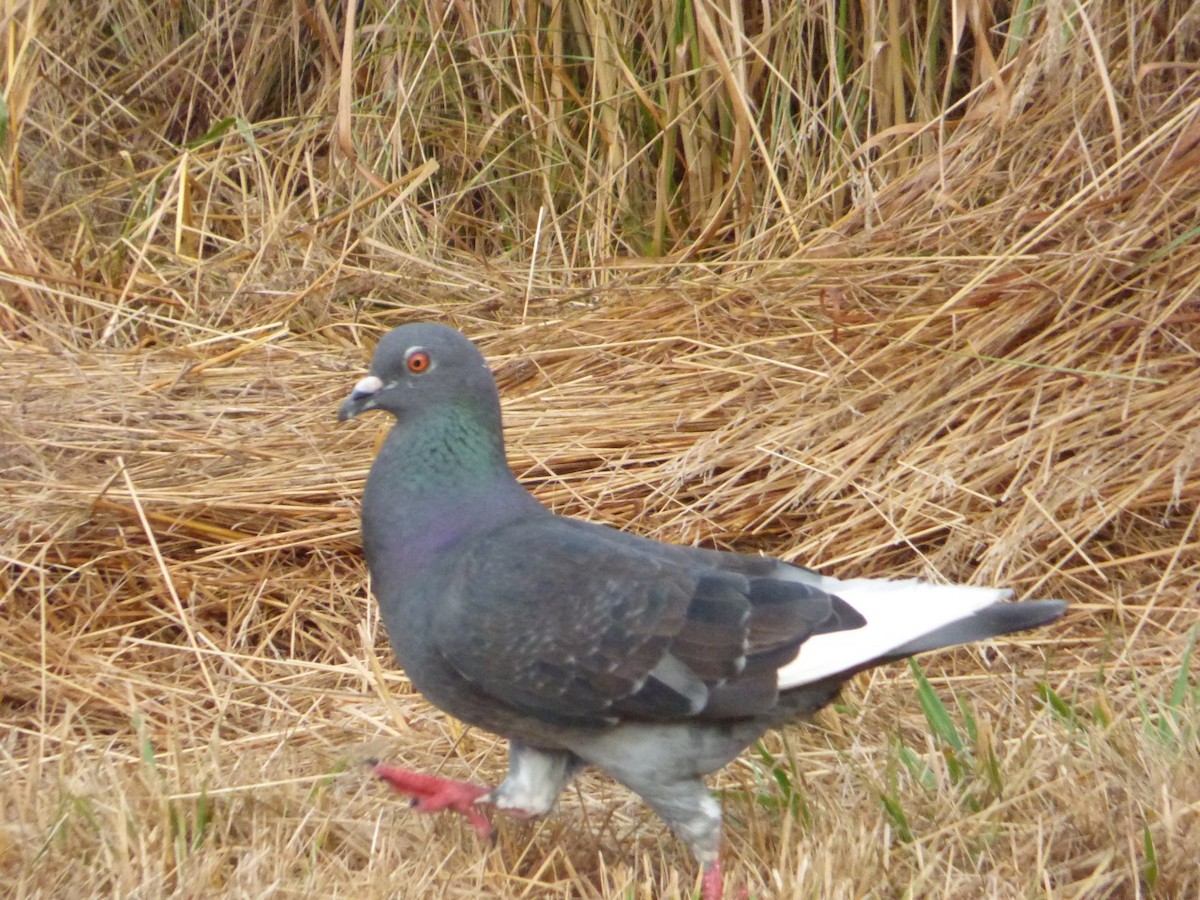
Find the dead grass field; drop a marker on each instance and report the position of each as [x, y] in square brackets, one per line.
[872, 287]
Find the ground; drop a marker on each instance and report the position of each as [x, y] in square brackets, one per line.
[956, 338]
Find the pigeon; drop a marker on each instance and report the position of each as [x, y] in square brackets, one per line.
[587, 646]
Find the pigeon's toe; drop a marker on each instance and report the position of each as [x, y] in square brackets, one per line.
[431, 794]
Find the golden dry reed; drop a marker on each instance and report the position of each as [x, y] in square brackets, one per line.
[882, 287]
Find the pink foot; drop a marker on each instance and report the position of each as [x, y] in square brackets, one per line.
[432, 794]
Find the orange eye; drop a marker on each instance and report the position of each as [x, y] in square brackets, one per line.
[417, 361]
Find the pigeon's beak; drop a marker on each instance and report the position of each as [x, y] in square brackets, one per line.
[361, 398]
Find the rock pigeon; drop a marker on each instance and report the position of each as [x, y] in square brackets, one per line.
[588, 646]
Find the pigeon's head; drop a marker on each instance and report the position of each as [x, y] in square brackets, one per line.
[420, 366]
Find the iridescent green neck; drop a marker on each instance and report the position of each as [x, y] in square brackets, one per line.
[449, 448]
[440, 474]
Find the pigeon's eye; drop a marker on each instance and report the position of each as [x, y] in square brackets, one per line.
[417, 361]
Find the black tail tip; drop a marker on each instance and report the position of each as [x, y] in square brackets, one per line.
[1041, 612]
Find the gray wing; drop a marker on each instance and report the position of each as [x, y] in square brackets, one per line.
[577, 624]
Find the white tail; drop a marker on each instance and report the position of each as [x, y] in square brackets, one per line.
[897, 614]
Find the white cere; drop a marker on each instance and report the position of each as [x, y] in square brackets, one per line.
[369, 385]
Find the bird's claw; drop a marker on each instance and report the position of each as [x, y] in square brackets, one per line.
[431, 794]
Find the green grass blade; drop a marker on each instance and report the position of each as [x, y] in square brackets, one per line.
[935, 711]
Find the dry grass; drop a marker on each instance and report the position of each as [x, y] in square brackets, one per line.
[832, 290]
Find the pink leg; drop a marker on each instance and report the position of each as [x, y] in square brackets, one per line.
[712, 885]
[431, 794]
